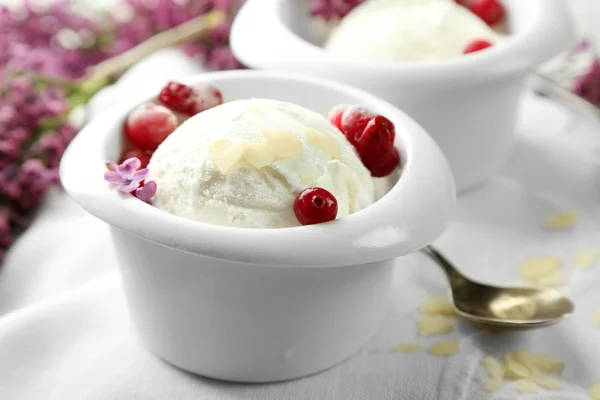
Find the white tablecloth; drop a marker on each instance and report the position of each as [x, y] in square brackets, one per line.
[65, 333]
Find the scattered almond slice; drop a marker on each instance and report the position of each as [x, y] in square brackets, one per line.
[321, 141]
[547, 363]
[562, 220]
[545, 381]
[406, 348]
[513, 369]
[435, 325]
[259, 154]
[441, 307]
[524, 386]
[525, 357]
[226, 154]
[535, 269]
[283, 144]
[493, 385]
[555, 279]
[444, 348]
[492, 367]
[586, 258]
[595, 391]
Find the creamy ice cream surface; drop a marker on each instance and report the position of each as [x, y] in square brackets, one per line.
[243, 163]
[407, 30]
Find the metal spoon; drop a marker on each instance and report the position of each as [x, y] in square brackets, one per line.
[512, 308]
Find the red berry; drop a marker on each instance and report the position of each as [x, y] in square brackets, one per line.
[381, 166]
[315, 205]
[148, 125]
[490, 11]
[477, 45]
[351, 121]
[189, 101]
[140, 154]
[377, 138]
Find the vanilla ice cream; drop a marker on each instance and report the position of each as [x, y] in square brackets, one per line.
[407, 30]
[243, 163]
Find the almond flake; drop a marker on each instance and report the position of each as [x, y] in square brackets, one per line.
[444, 348]
[441, 307]
[545, 381]
[259, 154]
[595, 391]
[322, 142]
[534, 269]
[515, 370]
[406, 348]
[283, 144]
[526, 358]
[547, 363]
[492, 367]
[493, 385]
[226, 154]
[586, 258]
[433, 325]
[555, 279]
[523, 386]
[562, 220]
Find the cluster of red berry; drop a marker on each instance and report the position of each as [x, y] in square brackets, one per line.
[373, 137]
[492, 12]
[150, 124]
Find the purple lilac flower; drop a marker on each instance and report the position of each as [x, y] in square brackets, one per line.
[332, 9]
[588, 85]
[126, 176]
[146, 192]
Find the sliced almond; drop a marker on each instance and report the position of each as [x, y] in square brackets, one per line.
[259, 154]
[434, 325]
[493, 385]
[438, 307]
[406, 348]
[534, 269]
[562, 220]
[226, 154]
[595, 391]
[555, 279]
[283, 144]
[492, 367]
[322, 142]
[547, 363]
[526, 358]
[524, 386]
[586, 258]
[444, 348]
[545, 381]
[515, 370]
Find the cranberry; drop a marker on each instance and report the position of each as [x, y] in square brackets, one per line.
[490, 11]
[315, 205]
[148, 125]
[186, 100]
[351, 121]
[140, 154]
[477, 45]
[376, 138]
[381, 166]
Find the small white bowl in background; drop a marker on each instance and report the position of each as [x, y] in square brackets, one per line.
[259, 305]
[468, 104]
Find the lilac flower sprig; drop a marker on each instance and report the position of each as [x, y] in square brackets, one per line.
[129, 178]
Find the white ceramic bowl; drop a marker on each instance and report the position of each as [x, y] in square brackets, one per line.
[258, 305]
[468, 104]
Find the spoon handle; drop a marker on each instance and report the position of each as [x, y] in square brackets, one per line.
[455, 277]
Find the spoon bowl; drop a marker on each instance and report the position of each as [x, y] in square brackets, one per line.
[504, 307]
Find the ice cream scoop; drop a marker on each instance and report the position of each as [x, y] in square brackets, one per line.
[407, 30]
[243, 163]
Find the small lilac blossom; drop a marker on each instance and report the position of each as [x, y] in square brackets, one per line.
[127, 176]
[332, 9]
[146, 192]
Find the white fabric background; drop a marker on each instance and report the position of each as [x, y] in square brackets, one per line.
[65, 332]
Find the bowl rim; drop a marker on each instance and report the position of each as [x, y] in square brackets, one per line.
[381, 231]
[547, 31]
